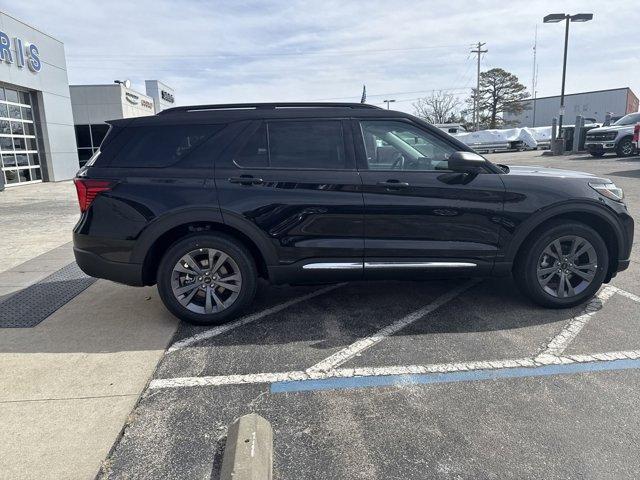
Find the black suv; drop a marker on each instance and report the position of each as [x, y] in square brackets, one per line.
[203, 200]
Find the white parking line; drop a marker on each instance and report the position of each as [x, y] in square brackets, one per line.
[560, 342]
[219, 330]
[624, 293]
[359, 346]
[547, 357]
[257, 378]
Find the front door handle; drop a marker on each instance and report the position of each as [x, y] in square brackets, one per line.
[246, 180]
[393, 184]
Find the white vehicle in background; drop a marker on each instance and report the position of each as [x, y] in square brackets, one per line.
[617, 137]
[451, 128]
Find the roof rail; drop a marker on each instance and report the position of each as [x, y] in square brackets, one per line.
[265, 106]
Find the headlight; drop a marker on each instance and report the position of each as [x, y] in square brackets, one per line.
[608, 190]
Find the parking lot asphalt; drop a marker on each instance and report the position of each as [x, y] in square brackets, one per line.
[399, 380]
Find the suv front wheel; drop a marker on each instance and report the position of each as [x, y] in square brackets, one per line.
[625, 147]
[562, 266]
[206, 279]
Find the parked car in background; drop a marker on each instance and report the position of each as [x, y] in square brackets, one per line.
[204, 200]
[617, 137]
[451, 128]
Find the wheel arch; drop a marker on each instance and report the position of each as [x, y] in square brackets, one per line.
[594, 216]
[155, 241]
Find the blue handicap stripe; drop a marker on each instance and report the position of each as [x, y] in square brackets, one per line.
[467, 376]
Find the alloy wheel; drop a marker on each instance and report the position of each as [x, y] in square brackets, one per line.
[627, 148]
[567, 266]
[206, 281]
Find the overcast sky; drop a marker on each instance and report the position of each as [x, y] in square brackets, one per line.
[243, 51]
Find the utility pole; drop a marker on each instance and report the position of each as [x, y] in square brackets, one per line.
[476, 97]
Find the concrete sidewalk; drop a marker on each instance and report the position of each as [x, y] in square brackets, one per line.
[35, 219]
[68, 385]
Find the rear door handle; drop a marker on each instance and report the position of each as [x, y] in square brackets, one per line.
[393, 184]
[246, 180]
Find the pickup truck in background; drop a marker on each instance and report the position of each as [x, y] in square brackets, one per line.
[617, 137]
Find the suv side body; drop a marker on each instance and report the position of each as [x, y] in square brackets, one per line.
[355, 219]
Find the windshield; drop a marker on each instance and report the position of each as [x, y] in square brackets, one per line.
[630, 119]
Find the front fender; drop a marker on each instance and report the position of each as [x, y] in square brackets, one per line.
[575, 208]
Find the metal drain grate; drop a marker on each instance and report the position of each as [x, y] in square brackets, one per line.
[28, 307]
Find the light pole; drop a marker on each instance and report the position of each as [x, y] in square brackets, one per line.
[388, 102]
[556, 18]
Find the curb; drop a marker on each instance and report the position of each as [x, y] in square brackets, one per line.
[248, 454]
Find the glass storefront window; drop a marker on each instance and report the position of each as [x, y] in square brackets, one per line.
[22, 160]
[14, 112]
[18, 134]
[25, 97]
[83, 136]
[11, 95]
[8, 160]
[17, 128]
[11, 176]
[25, 175]
[19, 143]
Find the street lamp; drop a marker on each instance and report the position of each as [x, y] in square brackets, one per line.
[388, 102]
[556, 18]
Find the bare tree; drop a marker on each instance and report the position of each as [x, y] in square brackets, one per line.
[439, 107]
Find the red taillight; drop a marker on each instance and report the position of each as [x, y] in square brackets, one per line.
[89, 189]
[636, 132]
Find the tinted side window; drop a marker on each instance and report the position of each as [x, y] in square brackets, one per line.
[317, 144]
[255, 153]
[295, 144]
[161, 146]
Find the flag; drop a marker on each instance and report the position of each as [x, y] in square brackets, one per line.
[364, 94]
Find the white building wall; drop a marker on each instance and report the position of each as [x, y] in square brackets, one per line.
[163, 95]
[591, 104]
[60, 158]
[99, 103]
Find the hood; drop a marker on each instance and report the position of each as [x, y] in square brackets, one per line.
[539, 171]
[610, 128]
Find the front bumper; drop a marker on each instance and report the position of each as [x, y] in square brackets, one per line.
[598, 146]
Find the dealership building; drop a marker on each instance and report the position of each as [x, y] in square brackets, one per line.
[37, 140]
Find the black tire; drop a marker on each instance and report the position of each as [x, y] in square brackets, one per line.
[226, 244]
[525, 271]
[597, 154]
[625, 147]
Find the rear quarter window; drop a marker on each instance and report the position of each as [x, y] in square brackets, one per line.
[165, 146]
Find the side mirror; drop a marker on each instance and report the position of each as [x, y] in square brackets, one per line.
[467, 162]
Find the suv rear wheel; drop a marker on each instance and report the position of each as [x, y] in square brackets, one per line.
[563, 265]
[206, 279]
